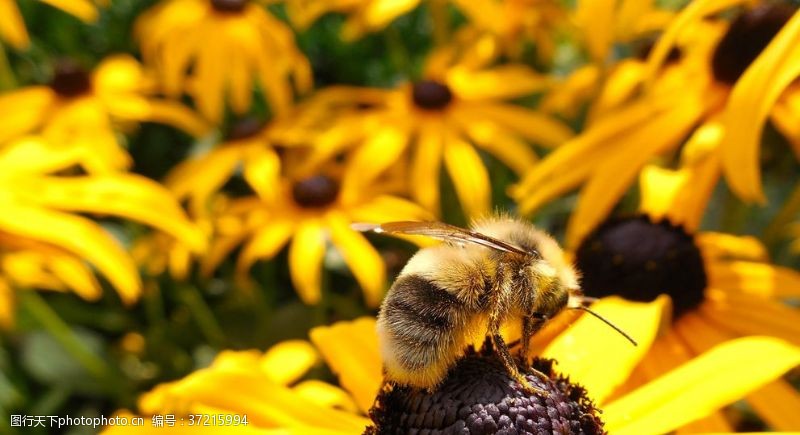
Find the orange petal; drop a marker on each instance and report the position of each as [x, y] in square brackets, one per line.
[305, 260]
[597, 357]
[351, 350]
[701, 386]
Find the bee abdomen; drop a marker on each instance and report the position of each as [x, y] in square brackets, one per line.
[420, 328]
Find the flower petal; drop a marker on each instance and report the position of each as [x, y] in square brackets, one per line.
[305, 260]
[387, 208]
[77, 235]
[751, 99]
[262, 168]
[372, 158]
[362, 259]
[692, 13]
[532, 125]
[749, 314]
[576, 159]
[245, 392]
[129, 196]
[506, 146]
[265, 243]
[426, 166]
[35, 154]
[470, 178]
[24, 108]
[326, 394]
[699, 387]
[502, 82]
[83, 9]
[287, 361]
[12, 26]
[596, 19]
[777, 403]
[351, 350]
[755, 278]
[597, 357]
[722, 245]
[615, 173]
[7, 303]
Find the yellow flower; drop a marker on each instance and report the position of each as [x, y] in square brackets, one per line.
[199, 35]
[243, 383]
[442, 118]
[45, 244]
[263, 386]
[631, 125]
[12, 27]
[80, 112]
[690, 391]
[721, 286]
[605, 22]
[306, 212]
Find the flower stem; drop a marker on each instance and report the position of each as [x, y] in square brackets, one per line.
[787, 213]
[397, 52]
[52, 323]
[7, 79]
[202, 314]
[441, 21]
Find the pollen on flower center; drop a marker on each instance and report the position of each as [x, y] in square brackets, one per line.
[228, 5]
[431, 95]
[746, 38]
[70, 79]
[479, 397]
[245, 128]
[316, 191]
[639, 260]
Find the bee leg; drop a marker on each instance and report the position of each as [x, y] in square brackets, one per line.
[530, 325]
[511, 366]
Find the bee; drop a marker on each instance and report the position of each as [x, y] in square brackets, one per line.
[453, 294]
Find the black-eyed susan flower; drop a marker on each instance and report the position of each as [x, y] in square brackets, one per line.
[46, 245]
[477, 395]
[636, 123]
[84, 111]
[306, 211]
[262, 389]
[12, 26]
[190, 42]
[721, 286]
[443, 118]
[590, 362]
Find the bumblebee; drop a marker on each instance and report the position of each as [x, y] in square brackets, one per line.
[454, 294]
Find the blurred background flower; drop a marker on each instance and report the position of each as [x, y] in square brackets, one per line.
[200, 36]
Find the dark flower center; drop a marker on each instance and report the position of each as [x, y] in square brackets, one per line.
[431, 95]
[314, 192]
[245, 128]
[478, 396]
[639, 260]
[228, 5]
[70, 79]
[746, 38]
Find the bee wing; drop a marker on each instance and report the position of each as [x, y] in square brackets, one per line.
[440, 231]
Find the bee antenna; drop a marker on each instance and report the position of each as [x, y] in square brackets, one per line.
[603, 319]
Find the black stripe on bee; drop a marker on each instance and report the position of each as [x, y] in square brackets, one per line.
[419, 301]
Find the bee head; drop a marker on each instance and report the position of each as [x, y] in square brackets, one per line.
[552, 288]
